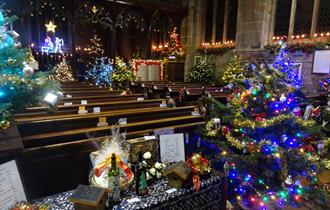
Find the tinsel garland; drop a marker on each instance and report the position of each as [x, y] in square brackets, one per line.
[271, 122]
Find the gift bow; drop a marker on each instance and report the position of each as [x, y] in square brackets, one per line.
[99, 168]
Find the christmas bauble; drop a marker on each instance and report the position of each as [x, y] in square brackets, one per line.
[28, 71]
[11, 61]
[4, 124]
[282, 98]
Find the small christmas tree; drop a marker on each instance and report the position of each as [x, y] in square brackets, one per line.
[173, 47]
[62, 72]
[101, 72]
[284, 64]
[95, 49]
[122, 74]
[233, 70]
[203, 72]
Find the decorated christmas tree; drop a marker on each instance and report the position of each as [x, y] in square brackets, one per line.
[275, 154]
[101, 73]
[95, 50]
[284, 64]
[62, 72]
[20, 87]
[233, 70]
[173, 47]
[202, 72]
[122, 74]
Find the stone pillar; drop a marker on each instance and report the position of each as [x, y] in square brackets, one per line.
[254, 19]
[195, 30]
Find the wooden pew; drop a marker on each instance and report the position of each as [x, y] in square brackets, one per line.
[76, 127]
[92, 92]
[219, 93]
[73, 109]
[101, 98]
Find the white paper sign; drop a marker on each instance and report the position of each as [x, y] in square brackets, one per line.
[321, 63]
[96, 109]
[172, 148]
[140, 99]
[69, 96]
[83, 102]
[122, 121]
[11, 188]
[68, 104]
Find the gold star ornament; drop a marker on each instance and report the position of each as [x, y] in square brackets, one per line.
[50, 27]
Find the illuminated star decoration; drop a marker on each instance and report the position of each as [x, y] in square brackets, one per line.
[50, 27]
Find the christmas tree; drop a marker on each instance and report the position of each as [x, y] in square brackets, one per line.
[20, 87]
[284, 64]
[173, 47]
[95, 51]
[101, 73]
[233, 70]
[202, 72]
[62, 72]
[122, 74]
[275, 155]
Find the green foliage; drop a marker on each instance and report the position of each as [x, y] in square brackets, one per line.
[203, 72]
[19, 89]
[122, 74]
[233, 70]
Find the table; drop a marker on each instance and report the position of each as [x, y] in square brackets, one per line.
[207, 198]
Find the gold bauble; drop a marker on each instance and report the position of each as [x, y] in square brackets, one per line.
[11, 61]
[4, 124]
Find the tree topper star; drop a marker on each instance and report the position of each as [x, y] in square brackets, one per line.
[50, 27]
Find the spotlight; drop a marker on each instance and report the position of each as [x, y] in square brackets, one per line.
[51, 99]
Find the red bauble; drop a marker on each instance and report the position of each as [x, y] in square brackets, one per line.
[225, 130]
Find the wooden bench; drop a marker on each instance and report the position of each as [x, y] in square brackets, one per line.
[154, 121]
[73, 109]
[92, 92]
[101, 98]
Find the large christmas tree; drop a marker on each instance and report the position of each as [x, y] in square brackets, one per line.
[275, 154]
[20, 87]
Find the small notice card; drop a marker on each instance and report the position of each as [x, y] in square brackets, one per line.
[172, 148]
[102, 122]
[83, 102]
[82, 110]
[11, 188]
[96, 109]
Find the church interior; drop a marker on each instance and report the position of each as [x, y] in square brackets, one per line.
[164, 104]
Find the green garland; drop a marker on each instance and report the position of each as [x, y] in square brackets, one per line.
[302, 47]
